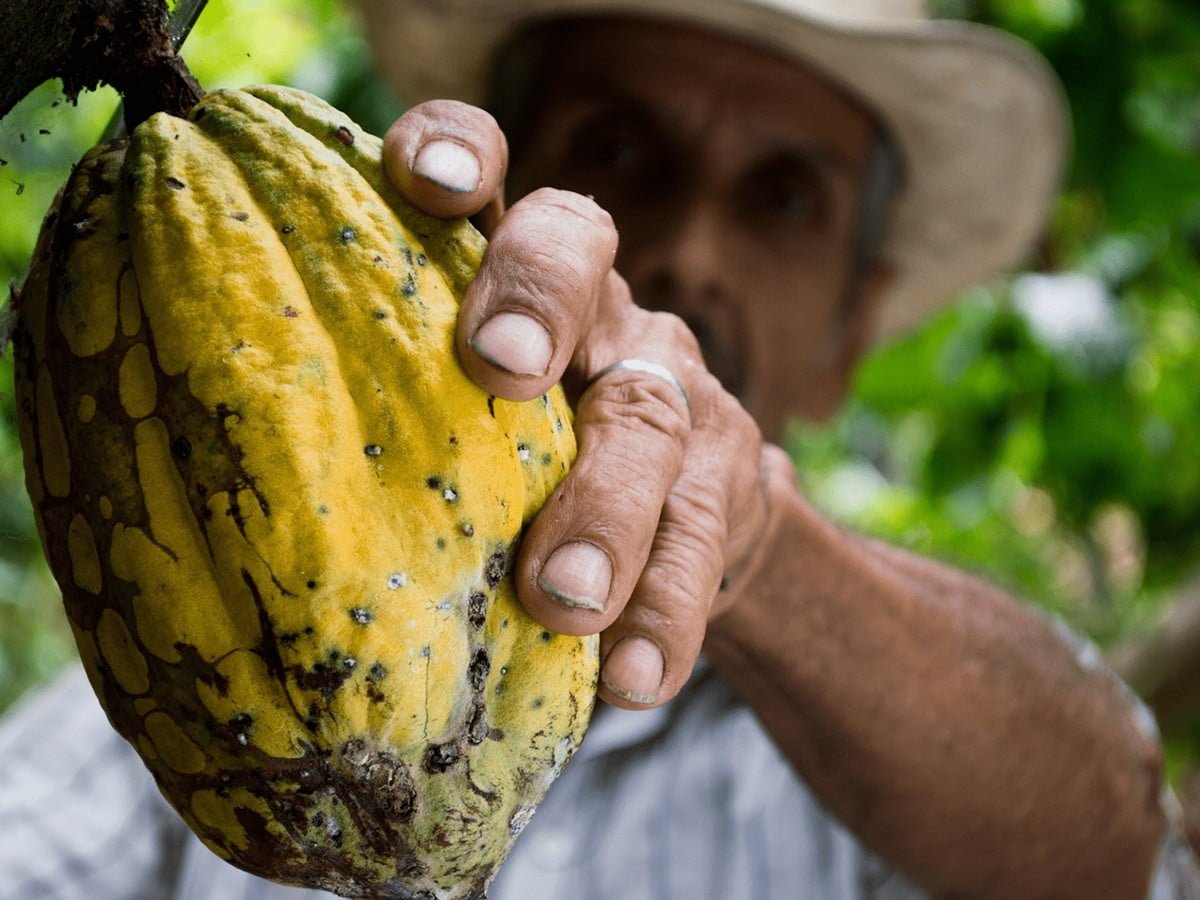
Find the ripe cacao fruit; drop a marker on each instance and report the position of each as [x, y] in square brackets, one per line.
[281, 516]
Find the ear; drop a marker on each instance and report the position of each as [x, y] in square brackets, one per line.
[850, 339]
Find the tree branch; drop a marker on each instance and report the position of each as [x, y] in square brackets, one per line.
[88, 42]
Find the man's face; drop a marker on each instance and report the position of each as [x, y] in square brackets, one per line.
[735, 180]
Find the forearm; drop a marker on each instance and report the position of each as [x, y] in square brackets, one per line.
[945, 724]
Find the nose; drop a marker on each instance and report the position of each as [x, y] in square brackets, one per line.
[679, 265]
[683, 267]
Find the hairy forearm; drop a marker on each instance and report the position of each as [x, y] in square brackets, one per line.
[944, 723]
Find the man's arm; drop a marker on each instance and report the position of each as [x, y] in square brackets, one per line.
[943, 722]
[947, 725]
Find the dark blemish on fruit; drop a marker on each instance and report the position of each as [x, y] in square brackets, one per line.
[377, 672]
[477, 728]
[174, 183]
[545, 459]
[380, 314]
[181, 448]
[43, 131]
[477, 609]
[240, 216]
[311, 584]
[345, 136]
[453, 439]
[545, 637]
[468, 529]
[361, 616]
[537, 702]
[421, 260]
[349, 662]
[347, 234]
[450, 495]
[441, 543]
[504, 624]
[439, 758]
[409, 287]
[492, 406]
[288, 229]
[373, 450]
[433, 482]
[477, 671]
[323, 509]
[289, 312]
[497, 565]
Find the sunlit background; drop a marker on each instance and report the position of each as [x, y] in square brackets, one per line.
[1044, 432]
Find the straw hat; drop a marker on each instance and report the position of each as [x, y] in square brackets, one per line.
[979, 116]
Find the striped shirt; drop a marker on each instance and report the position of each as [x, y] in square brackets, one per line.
[691, 801]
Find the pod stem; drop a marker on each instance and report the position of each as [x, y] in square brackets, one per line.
[123, 43]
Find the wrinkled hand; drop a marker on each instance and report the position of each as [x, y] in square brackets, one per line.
[663, 500]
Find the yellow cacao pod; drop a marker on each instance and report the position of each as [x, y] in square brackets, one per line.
[281, 516]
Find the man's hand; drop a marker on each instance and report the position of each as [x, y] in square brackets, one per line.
[664, 499]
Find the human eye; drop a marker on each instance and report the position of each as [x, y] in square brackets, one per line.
[616, 148]
[787, 192]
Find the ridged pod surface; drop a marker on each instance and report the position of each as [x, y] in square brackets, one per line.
[281, 516]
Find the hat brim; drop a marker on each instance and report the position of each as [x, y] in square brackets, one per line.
[979, 116]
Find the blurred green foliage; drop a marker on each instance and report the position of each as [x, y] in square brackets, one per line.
[1055, 452]
[1046, 430]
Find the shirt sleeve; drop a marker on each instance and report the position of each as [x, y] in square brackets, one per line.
[81, 817]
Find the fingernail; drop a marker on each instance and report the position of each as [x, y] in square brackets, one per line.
[577, 575]
[634, 670]
[449, 165]
[515, 343]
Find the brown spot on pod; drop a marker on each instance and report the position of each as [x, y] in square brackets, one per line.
[174, 183]
[477, 728]
[468, 529]
[347, 234]
[345, 136]
[477, 608]
[440, 757]
[181, 447]
[373, 450]
[288, 229]
[496, 567]
[477, 671]
[240, 216]
[289, 312]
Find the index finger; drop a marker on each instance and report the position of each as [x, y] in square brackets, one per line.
[448, 159]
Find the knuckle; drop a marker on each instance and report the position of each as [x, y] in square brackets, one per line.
[695, 523]
[576, 206]
[645, 406]
[675, 332]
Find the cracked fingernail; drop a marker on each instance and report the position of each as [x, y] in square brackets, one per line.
[449, 165]
[577, 575]
[515, 343]
[634, 670]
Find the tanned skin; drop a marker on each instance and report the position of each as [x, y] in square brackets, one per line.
[942, 721]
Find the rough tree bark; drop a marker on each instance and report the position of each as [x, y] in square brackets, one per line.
[86, 42]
